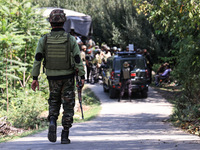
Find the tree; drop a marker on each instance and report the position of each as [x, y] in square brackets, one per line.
[179, 22]
[114, 19]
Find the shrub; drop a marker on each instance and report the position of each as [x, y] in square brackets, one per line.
[25, 108]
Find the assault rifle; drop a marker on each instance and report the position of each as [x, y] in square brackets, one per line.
[79, 88]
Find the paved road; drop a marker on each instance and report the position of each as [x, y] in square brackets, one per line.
[136, 125]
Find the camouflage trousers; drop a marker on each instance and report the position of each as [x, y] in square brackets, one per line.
[62, 92]
[126, 84]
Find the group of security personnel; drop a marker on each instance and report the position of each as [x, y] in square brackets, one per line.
[94, 59]
[62, 60]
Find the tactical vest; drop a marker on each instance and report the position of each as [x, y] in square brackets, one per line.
[126, 73]
[57, 51]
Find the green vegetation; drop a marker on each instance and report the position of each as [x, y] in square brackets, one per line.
[91, 104]
[115, 22]
[177, 24]
[20, 28]
[169, 29]
[91, 108]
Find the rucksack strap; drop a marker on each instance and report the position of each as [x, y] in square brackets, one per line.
[44, 62]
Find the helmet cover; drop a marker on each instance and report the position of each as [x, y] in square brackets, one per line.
[126, 64]
[57, 15]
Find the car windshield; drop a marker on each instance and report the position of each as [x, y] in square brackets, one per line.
[137, 63]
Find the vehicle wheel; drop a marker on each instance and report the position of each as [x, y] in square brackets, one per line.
[104, 89]
[144, 94]
[112, 93]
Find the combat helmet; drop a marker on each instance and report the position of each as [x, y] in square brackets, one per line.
[57, 16]
[126, 64]
[114, 48]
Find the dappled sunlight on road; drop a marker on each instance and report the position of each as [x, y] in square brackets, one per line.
[136, 125]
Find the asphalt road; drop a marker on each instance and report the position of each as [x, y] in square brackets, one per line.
[136, 125]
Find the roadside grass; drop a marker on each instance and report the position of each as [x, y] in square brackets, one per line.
[91, 108]
[90, 104]
[169, 91]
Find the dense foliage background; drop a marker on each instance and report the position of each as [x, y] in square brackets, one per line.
[20, 29]
[178, 22]
[169, 29]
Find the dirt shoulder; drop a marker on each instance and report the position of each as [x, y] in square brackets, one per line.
[171, 93]
[168, 91]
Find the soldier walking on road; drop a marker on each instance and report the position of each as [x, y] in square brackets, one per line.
[125, 80]
[61, 55]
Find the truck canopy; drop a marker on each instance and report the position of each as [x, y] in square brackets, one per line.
[79, 22]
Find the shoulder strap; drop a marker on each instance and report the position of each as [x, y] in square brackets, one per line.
[71, 50]
[44, 61]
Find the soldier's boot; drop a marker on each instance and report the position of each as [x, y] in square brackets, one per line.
[52, 134]
[129, 98]
[64, 137]
[119, 98]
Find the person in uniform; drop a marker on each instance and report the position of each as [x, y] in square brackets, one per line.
[149, 61]
[61, 56]
[88, 60]
[125, 80]
[106, 54]
[83, 51]
[114, 51]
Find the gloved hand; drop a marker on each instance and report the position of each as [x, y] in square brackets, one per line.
[35, 84]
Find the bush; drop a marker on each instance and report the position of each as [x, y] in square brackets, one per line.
[155, 67]
[25, 108]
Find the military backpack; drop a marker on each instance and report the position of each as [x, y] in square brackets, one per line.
[57, 54]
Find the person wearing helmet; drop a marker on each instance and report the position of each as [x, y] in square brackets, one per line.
[114, 50]
[125, 80]
[119, 49]
[106, 54]
[60, 54]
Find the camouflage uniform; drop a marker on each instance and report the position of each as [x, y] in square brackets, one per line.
[125, 79]
[61, 55]
[66, 98]
[61, 82]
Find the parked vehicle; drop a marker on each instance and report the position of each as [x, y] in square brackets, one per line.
[139, 75]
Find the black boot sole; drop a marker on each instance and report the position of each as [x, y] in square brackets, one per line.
[65, 142]
[52, 136]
